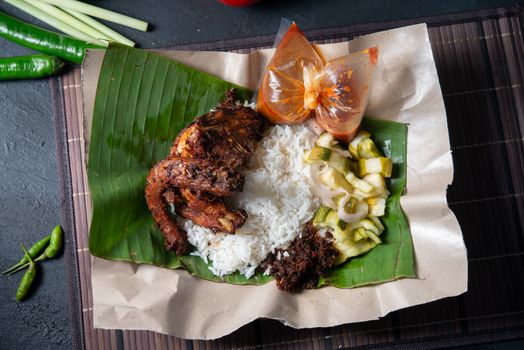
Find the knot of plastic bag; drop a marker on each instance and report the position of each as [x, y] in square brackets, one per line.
[312, 87]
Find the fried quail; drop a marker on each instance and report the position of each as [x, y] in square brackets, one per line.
[203, 167]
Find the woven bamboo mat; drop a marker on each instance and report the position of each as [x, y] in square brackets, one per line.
[480, 61]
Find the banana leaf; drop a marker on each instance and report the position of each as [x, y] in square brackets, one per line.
[142, 102]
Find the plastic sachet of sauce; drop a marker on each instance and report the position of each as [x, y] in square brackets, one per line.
[297, 84]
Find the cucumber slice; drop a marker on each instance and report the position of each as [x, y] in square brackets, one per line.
[368, 225]
[340, 236]
[374, 237]
[358, 234]
[354, 242]
[376, 180]
[326, 140]
[351, 248]
[379, 183]
[377, 206]
[320, 216]
[334, 180]
[358, 183]
[380, 165]
[367, 149]
[377, 223]
[339, 163]
[361, 247]
[361, 196]
[318, 154]
[353, 145]
[361, 233]
[352, 164]
[333, 221]
[327, 217]
[376, 193]
[334, 159]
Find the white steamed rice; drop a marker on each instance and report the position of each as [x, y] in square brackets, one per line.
[277, 199]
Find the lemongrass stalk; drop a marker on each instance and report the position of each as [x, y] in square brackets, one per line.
[102, 28]
[67, 18]
[100, 13]
[52, 21]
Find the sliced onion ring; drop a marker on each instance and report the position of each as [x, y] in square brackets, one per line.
[312, 173]
[360, 213]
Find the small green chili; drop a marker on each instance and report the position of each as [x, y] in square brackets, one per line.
[55, 244]
[33, 252]
[52, 250]
[27, 278]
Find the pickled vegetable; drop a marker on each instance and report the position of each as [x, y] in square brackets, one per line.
[367, 149]
[318, 153]
[353, 145]
[334, 180]
[360, 200]
[326, 140]
[380, 165]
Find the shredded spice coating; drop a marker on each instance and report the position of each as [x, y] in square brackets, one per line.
[300, 266]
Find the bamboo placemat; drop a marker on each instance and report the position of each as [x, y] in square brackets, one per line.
[480, 61]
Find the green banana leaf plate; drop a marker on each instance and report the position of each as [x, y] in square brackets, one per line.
[142, 102]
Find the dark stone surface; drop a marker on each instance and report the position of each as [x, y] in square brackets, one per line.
[29, 204]
[29, 209]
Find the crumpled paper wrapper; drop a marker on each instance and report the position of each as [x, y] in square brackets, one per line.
[406, 89]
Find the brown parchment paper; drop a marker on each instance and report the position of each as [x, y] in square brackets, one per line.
[406, 89]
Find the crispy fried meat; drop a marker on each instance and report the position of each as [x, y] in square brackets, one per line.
[174, 238]
[198, 174]
[307, 258]
[204, 166]
[205, 210]
[227, 135]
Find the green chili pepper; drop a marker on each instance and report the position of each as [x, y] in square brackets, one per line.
[55, 244]
[33, 253]
[52, 250]
[29, 67]
[43, 40]
[27, 278]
